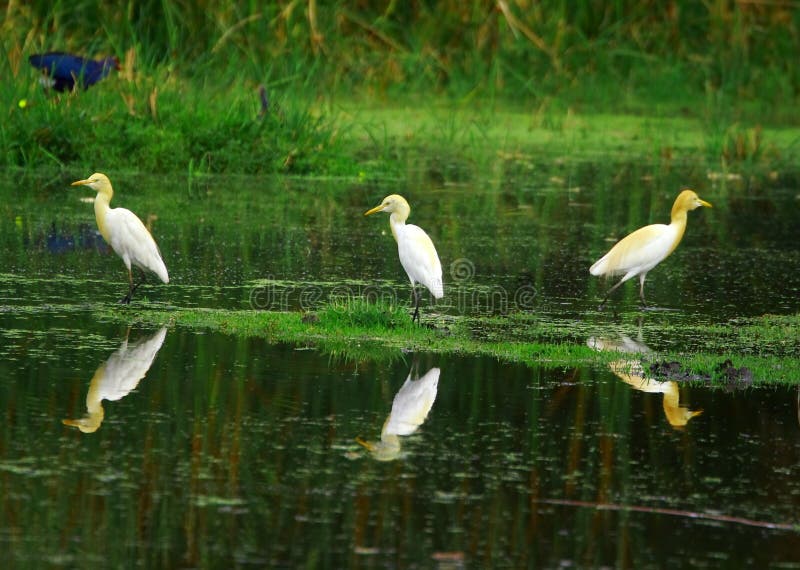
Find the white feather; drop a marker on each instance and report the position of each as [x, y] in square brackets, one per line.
[638, 252]
[412, 403]
[129, 238]
[419, 258]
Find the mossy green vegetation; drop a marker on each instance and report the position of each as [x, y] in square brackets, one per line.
[766, 347]
[344, 86]
[453, 90]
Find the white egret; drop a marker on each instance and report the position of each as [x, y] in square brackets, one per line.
[125, 233]
[410, 408]
[642, 250]
[117, 377]
[416, 250]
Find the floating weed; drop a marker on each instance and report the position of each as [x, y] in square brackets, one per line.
[361, 330]
[359, 314]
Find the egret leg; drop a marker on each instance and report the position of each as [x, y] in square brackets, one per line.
[132, 287]
[415, 299]
[608, 293]
[641, 289]
[127, 298]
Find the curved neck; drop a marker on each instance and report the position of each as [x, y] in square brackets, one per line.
[678, 221]
[397, 221]
[101, 208]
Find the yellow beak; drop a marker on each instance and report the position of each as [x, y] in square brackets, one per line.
[366, 444]
[80, 183]
[374, 210]
[706, 204]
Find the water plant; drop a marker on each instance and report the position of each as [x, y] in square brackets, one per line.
[188, 91]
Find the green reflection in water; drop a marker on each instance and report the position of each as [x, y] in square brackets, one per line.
[117, 377]
[523, 240]
[234, 451]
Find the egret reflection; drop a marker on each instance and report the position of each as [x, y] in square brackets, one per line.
[631, 372]
[410, 408]
[117, 376]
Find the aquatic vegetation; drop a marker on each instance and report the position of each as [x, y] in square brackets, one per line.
[363, 331]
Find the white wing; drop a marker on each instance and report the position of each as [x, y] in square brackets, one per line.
[412, 403]
[128, 365]
[133, 243]
[638, 252]
[419, 258]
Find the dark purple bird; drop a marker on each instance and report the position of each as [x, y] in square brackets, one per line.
[64, 70]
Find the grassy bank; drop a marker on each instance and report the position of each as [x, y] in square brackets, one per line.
[509, 78]
[760, 350]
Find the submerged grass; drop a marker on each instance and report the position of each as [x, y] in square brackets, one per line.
[761, 350]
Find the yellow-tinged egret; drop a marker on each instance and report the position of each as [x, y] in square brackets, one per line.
[416, 250]
[642, 250]
[125, 233]
[117, 377]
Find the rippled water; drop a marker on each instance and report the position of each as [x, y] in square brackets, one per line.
[183, 449]
[518, 243]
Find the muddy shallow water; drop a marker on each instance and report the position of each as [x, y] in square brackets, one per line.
[185, 449]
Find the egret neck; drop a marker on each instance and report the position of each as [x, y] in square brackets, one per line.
[102, 203]
[678, 218]
[397, 220]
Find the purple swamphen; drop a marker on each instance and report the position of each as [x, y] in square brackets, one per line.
[64, 70]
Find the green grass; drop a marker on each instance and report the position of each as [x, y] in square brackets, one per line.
[373, 89]
[766, 346]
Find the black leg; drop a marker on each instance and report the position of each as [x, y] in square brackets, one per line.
[608, 293]
[415, 299]
[127, 298]
[132, 287]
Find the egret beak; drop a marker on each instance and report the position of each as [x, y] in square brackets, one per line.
[374, 210]
[80, 183]
[365, 444]
[706, 204]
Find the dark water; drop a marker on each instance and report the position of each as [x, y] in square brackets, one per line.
[522, 241]
[183, 449]
[233, 451]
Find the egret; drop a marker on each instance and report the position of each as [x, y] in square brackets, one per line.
[416, 250]
[117, 377]
[64, 70]
[125, 233]
[642, 250]
[631, 371]
[410, 408]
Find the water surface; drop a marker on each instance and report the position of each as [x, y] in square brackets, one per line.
[510, 243]
[180, 448]
[215, 450]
